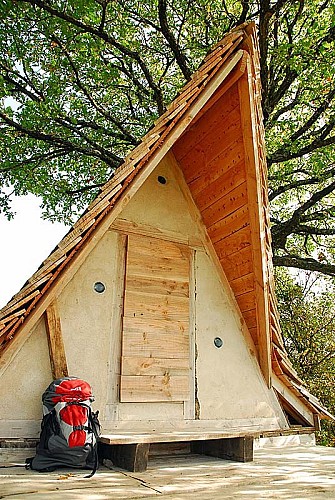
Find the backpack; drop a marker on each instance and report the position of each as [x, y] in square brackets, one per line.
[69, 428]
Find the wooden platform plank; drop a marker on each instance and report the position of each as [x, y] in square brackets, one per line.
[177, 435]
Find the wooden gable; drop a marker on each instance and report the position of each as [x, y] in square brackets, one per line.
[214, 131]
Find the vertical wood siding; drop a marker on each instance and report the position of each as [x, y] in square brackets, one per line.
[155, 343]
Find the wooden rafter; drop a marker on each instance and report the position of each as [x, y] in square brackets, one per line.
[57, 355]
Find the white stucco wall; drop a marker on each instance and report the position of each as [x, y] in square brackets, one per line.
[230, 384]
[161, 206]
[86, 317]
[22, 385]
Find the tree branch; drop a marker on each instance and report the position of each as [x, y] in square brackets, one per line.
[302, 182]
[51, 155]
[18, 87]
[291, 105]
[167, 33]
[317, 113]
[308, 230]
[307, 264]
[111, 159]
[281, 231]
[284, 155]
[245, 10]
[88, 95]
[103, 35]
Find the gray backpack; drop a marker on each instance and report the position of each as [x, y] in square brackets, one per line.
[69, 428]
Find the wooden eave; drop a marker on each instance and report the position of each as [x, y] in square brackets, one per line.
[233, 61]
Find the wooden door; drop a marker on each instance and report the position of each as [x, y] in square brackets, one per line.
[155, 363]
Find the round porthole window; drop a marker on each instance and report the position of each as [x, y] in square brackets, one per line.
[161, 179]
[99, 287]
[218, 342]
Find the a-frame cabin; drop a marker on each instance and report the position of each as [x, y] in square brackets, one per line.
[161, 295]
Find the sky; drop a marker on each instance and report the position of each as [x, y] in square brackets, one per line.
[25, 242]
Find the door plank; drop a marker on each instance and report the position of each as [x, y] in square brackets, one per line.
[132, 365]
[154, 388]
[153, 345]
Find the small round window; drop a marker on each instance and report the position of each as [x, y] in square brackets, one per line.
[99, 287]
[161, 179]
[218, 342]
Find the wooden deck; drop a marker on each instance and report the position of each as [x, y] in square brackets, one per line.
[131, 450]
[166, 437]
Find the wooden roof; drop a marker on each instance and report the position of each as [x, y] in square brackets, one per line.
[232, 201]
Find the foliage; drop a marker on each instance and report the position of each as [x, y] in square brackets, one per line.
[82, 80]
[307, 311]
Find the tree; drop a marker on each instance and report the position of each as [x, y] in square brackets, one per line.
[81, 81]
[307, 312]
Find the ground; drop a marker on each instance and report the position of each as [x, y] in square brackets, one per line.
[299, 472]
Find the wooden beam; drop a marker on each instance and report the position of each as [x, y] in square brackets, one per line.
[190, 404]
[132, 457]
[296, 403]
[257, 225]
[114, 372]
[57, 355]
[130, 227]
[317, 424]
[239, 449]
